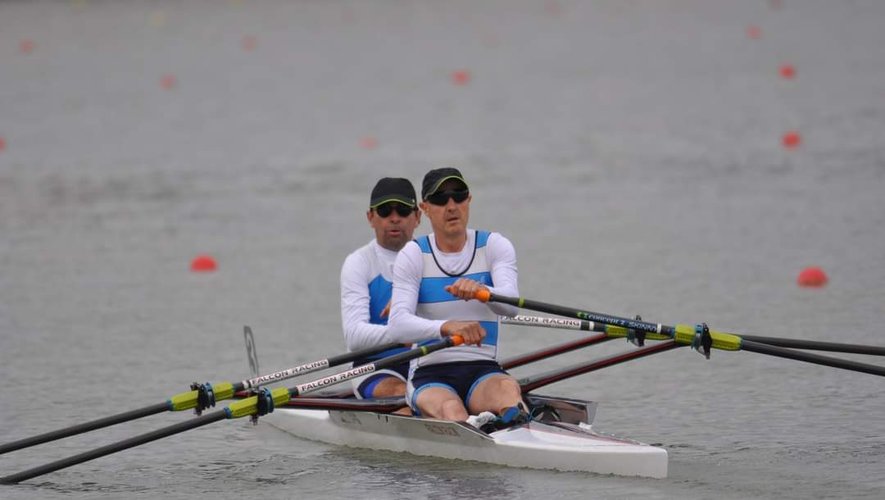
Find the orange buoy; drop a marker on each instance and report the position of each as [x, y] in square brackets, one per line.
[788, 72]
[368, 142]
[203, 264]
[461, 77]
[791, 139]
[2, 144]
[168, 81]
[249, 43]
[813, 277]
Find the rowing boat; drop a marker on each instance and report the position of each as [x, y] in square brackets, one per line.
[561, 437]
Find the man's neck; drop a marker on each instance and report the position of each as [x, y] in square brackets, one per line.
[450, 243]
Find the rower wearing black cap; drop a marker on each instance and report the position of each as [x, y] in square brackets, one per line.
[366, 282]
[434, 279]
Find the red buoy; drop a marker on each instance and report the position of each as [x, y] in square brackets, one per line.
[814, 277]
[2, 144]
[368, 142]
[249, 43]
[203, 264]
[791, 140]
[461, 77]
[788, 72]
[26, 46]
[754, 32]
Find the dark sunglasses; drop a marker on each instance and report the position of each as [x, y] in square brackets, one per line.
[442, 197]
[386, 209]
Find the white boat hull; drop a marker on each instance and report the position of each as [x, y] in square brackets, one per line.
[567, 445]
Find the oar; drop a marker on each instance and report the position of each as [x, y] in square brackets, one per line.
[814, 345]
[637, 338]
[377, 405]
[203, 397]
[534, 382]
[609, 332]
[698, 336]
[262, 403]
[547, 352]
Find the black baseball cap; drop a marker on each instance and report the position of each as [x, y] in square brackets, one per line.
[393, 189]
[434, 179]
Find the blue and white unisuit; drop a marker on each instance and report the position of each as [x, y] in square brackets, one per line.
[420, 304]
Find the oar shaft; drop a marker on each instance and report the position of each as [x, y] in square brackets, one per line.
[611, 331]
[188, 400]
[546, 322]
[381, 364]
[84, 427]
[317, 365]
[618, 326]
[553, 351]
[242, 408]
[570, 312]
[532, 383]
[193, 423]
[749, 345]
[815, 345]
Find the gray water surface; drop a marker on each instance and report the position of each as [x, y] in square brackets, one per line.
[630, 150]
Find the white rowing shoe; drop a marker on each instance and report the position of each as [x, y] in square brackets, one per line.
[559, 438]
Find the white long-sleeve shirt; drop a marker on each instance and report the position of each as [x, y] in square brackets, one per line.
[404, 325]
[367, 270]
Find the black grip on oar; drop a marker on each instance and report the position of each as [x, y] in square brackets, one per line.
[84, 427]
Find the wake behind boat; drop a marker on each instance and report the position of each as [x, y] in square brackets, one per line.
[560, 437]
